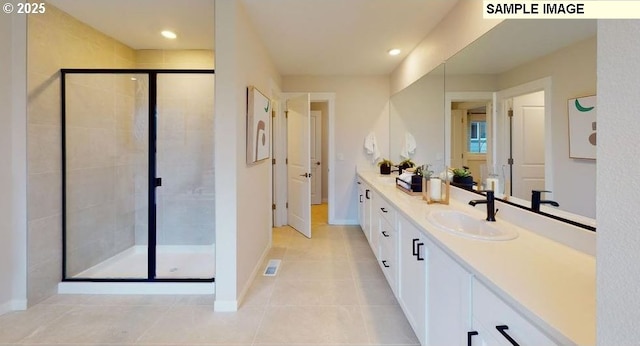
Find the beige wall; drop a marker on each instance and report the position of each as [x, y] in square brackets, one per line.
[618, 247]
[362, 106]
[573, 73]
[56, 40]
[243, 235]
[13, 169]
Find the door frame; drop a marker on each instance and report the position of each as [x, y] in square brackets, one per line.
[451, 97]
[280, 153]
[317, 171]
[500, 117]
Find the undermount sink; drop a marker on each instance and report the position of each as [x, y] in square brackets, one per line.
[463, 224]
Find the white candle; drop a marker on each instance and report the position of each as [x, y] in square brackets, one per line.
[435, 189]
[492, 184]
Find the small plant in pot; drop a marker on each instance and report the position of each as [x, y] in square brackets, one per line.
[404, 164]
[462, 178]
[385, 166]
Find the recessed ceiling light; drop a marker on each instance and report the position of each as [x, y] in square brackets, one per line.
[394, 51]
[169, 34]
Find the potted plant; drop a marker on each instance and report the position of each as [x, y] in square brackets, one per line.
[385, 166]
[404, 164]
[462, 178]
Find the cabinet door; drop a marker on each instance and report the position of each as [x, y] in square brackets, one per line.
[366, 222]
[448, 300]
[412, 277]
[360, 204]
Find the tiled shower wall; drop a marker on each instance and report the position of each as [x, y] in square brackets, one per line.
[57, 40]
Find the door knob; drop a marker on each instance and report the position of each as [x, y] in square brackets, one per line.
[318, 163]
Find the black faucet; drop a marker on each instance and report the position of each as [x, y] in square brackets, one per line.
[490, 202]
[536, 201]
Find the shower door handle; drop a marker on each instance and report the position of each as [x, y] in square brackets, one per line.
[158, 182]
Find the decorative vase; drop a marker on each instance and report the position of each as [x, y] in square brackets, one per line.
[385, 169]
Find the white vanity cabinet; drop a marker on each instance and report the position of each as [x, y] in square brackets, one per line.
[494, 320]
[413, 276]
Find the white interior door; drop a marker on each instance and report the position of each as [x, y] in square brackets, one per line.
[298, 170]
[528, 144]
[316, 157]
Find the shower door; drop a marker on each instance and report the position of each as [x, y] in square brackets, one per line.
[137, 164]
[105, 168]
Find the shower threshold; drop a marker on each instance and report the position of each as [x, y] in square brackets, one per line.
[173, 262]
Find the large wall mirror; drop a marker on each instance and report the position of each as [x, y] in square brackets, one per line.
[416, 120]
[506, 112]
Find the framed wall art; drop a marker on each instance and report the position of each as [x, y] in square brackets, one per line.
[258, 126]
[582, 127]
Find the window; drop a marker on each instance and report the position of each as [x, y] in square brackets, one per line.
[477, 137]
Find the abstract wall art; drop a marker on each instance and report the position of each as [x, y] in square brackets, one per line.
[258, 126]
[582, 127]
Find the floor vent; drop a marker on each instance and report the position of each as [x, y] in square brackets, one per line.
[272, 267]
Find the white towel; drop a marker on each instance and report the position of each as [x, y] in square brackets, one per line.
[371, 147]
[405, 180]
[409, 147]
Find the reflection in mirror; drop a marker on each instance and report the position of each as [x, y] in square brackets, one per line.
[527, 69]
[417, 113]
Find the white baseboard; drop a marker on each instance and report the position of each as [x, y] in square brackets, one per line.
[13, 305]
[257, 269]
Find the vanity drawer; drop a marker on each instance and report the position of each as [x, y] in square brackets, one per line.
[491, 314]
[385, 210]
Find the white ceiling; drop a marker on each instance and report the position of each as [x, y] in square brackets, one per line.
[324, 37]
[304, 37]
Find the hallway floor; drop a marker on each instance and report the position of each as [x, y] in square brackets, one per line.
[328, 290]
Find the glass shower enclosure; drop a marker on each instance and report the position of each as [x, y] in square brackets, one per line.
[138, 198]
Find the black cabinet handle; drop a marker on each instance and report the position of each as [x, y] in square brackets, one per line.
[366, 194]
[502, 329]
[415, 240]
[385, 234]
[384, 210]
[360, 198]
[418, 252]
[469, 336]
[384, 263]
[359, 182]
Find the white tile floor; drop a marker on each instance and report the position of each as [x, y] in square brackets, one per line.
[329, 291]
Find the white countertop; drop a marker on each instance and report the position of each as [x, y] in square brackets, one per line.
[549, 283]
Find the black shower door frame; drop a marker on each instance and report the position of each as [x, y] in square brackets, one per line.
[154, 180]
